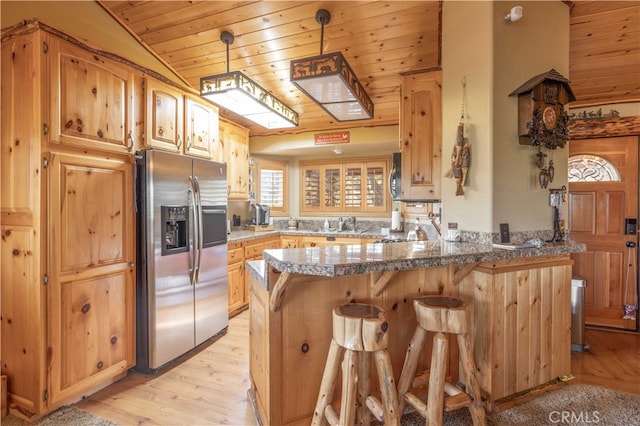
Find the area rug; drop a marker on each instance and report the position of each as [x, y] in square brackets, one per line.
[573, 404]
[65, 416]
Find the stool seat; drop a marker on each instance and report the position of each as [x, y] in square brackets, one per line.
[441, 315]
[360, 331]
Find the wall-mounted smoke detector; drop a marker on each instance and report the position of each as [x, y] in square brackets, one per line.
[515, 14]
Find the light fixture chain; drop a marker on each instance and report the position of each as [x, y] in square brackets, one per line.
[464, 99]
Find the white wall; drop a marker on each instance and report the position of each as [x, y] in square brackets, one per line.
[496, 57]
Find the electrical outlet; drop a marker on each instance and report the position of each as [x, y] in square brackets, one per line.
[504, 232]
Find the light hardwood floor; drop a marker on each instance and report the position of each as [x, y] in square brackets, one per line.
[210, 388]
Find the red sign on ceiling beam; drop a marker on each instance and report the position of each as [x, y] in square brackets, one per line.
[331, 138]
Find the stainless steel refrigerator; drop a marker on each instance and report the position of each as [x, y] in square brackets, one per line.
[182, 256]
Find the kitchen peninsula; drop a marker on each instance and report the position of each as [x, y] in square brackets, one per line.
[519, 301]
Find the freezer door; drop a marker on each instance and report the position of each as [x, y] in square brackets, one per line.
[170, 293]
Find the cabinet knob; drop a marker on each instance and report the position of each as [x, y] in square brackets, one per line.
[130, 140]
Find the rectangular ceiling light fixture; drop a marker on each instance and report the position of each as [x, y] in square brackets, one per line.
[331, 83]
[238, 93]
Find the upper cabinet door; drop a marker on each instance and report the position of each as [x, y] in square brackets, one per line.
[201, 127]
[91, 99]
[235, 141]
[164, 116]
[421, 136]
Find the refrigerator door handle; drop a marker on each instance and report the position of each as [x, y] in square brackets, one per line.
[193, 239]
[200, 230]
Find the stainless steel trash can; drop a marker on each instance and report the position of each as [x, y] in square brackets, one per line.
[578, 285]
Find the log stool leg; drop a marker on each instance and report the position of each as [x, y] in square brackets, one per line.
[327, 384]
[473, 387]
[387, 388]
[437, 375]
[350, 382]
[410, 365]
[364, 387]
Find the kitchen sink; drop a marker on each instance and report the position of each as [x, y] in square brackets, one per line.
[335, 231]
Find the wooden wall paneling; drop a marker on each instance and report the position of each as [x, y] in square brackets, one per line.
[606, 127]
[537, 280]
[521, 324]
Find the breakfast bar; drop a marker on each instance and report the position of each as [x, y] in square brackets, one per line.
[519, 303]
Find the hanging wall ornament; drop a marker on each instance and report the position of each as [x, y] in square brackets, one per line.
[461, 155]
[542, 120]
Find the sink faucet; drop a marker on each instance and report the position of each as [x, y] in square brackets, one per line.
[350, 222]
[340, 224]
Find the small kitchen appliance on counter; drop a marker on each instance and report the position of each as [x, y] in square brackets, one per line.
[260, 214]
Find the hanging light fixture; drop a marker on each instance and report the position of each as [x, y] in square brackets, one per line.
[330, 82]
[238, 93]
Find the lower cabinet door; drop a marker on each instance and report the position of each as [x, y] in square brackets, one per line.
[92, 272]
[237, 294]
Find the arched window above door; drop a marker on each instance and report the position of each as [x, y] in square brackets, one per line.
[592, 168]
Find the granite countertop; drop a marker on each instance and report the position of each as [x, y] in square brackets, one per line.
[242, 235]
[333, 261]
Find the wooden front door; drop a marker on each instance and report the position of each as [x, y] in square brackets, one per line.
[603, 193]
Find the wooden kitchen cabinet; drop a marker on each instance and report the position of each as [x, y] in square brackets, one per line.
[234, 140]
[236, 281]
[91, 271]
[91, 98]
[68, 250]
[238, 253]
[164, 116]
[328, 241]
[201, 127]
[421, 135]
[178, 121]
[289, 242]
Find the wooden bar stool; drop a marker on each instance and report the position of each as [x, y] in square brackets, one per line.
[440, 315]
[359, 331]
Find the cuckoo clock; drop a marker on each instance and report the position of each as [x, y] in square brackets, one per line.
[542, 119]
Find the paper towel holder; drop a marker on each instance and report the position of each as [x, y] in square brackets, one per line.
[396, 221]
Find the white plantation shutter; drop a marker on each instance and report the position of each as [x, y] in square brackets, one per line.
[272, 188]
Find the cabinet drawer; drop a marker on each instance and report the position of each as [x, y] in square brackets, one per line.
[252, 251]
[235, 255]
[275, 244]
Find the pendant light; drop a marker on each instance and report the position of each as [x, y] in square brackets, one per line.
[238, 93]
[330, 82]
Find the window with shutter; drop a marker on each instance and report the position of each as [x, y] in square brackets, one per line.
[272, 185]
[311, 189]
[354, 186]
[376, 193]
[332, 189]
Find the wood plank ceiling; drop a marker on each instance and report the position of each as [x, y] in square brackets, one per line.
[380, 39]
